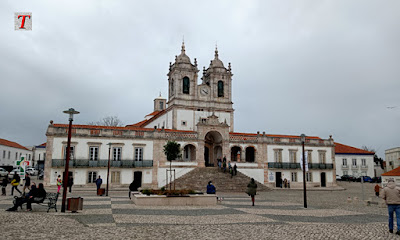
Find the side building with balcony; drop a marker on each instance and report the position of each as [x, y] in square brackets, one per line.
[354, 161]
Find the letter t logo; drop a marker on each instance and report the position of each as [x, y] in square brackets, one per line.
[23, 21]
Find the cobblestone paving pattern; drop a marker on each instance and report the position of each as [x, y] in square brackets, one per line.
[277, 215]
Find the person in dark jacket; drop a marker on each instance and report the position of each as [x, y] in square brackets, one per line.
[21, 200]
[99, 181]
[37, 196]
[27, 182]
[252, 189]
[70, 182]
[4, 185]
[211, 188]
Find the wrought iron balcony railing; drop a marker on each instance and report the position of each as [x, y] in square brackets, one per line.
[297, 165]
[85, 163]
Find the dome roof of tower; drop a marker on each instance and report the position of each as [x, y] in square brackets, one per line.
[183, 58]
[216, 62]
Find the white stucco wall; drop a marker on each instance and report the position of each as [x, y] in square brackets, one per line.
[162, 173]
[369, 168]
[82, 148]
[257, 174]
[6, 161]
[285, 153]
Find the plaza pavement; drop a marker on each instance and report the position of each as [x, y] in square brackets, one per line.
[278, 214]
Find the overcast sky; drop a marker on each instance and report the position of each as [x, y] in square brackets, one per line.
[315, 67]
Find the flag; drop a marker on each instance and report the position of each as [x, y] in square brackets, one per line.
[306, 161]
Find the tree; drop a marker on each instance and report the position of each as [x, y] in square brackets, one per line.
[110, 121]
[172, 151]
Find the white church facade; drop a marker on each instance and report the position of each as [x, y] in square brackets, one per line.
[200, 117]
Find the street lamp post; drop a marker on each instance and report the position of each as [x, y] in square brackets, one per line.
[108, 168]
[71, 113]
[303, 139]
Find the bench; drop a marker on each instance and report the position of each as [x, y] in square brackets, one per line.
[50, 201]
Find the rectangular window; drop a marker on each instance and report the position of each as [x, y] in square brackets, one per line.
[344, 162]
[309, 177]
[345, 173]
[322, 157]
[138, 154]
[278, 155]
[309, 156]
[4, 154]
[44, 156]
[354, 162]
[9, 154]
[92, 177]
[93, 153]
[292, 156]
[71, 152]
[363, 162]
[115, 177]
[117, 153]
[161, 105]
[294, 176]
[16, 156]
[29, 157]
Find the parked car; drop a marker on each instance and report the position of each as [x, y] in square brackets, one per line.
[11, 174]
[376, 180]
[348, 178]
[3, 172]
[365, 178]
[31, 171]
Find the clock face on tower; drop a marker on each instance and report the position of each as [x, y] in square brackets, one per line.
[204, 90]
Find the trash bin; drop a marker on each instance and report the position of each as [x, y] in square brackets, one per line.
[74, 204]
[101, 191]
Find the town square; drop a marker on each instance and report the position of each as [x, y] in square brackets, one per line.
[199, 120]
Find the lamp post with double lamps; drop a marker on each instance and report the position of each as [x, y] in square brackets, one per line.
[71, 113]
[108, 168]
[303, 140]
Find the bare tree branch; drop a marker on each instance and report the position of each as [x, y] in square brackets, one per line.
[110, 121]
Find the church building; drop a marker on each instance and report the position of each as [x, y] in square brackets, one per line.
[199, 115]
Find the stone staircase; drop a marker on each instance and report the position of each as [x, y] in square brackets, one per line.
[198, 179]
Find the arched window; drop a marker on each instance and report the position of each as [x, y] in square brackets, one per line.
[172, 87]
[186, 85]
[220, 88]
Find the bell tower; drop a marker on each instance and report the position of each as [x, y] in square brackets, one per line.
[219, 79]
[182, 79]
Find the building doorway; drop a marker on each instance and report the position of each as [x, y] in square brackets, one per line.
[278, 179]
[212, 148]
[250, 154]
[235, 154]
[323, 179]
[137, 180]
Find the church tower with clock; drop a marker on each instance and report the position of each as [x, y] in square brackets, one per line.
[189, 102]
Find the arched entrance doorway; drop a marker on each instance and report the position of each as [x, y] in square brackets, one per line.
[235, 154]
[189, 153]
[250, 154]
[212, 148]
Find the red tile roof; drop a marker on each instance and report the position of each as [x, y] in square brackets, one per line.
[272, 135]
[344, 149]
[143, 123]
[11, 144]
[394, 172]
[43, 145]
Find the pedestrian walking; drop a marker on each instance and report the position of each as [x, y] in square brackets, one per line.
[229, 167]
[27, 184]
[252, 190]
[235, 169]
[59, 183]
[391, 194]
[70, 182]
[15, 183]
[99, 181]
[4, 185]
[288, 183]
[224, 166]
[285, 183]
[377, 189]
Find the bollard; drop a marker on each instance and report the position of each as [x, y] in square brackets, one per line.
[349, 200]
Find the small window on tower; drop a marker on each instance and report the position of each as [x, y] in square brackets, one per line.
[220, 88]
[183, 123]
[186, 85]
[161, 105]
